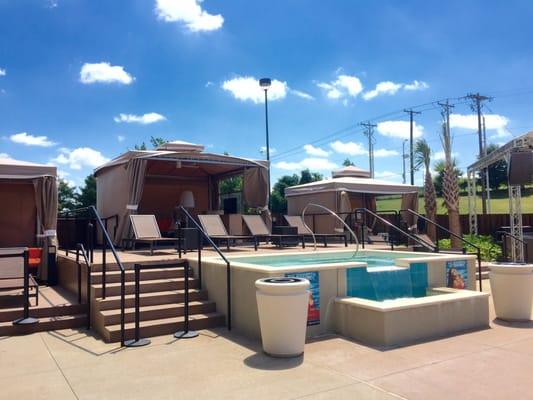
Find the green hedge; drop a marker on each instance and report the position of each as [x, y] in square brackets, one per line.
[490, 250]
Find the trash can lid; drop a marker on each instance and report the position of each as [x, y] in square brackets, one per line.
[279, 285]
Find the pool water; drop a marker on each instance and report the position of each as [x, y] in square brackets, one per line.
[371, 258]
[381, 280]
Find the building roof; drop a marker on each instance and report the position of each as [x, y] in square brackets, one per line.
[351, 170]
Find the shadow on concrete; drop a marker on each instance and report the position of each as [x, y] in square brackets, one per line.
[513, 324]
[268, 363]
[81, 334]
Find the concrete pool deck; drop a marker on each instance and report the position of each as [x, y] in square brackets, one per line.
[494, 363]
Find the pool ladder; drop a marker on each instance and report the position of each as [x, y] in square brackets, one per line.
[334, 215]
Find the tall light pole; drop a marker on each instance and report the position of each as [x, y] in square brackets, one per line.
[265, 83]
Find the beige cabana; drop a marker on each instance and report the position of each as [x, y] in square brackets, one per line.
[154, 182]
[28, 212]
[349, 189]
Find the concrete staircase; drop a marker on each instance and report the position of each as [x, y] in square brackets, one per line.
[161, 302]
[51, 317]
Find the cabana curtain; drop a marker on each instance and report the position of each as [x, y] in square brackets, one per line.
[135, 172]
[255, 187]
[46, 204]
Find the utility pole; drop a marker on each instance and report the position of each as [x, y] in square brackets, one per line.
[477, 100]
[404, 156]
[369, 133]
[446, 107]
[411, 163]
[487, 177]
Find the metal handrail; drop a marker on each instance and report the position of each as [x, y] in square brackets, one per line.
[388, 224]
[514, 237]
[478, 249]
[217, 249]
[81, 248]
[26, 319]
[107, 242]
[336, 217]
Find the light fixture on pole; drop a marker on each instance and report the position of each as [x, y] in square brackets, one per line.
[265, 84]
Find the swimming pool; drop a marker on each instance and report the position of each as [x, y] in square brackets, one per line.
[371, 258]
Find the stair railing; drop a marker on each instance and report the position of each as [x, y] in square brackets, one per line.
[332, 213]
[185, 333]
[219, 252]
[81, 248]
[477, 252]
[22, 253]
[415, 239]
[107, 243]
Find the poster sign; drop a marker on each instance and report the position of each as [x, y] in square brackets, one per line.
[313, 313]
[457, 274]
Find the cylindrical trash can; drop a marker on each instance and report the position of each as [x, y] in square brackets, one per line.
[512, 291]
[282, 304]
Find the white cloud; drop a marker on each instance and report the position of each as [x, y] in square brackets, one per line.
[386, 87]
[385, 153]
[492, 122]
[144, 119]
[301, 94]
[399, 129]
[350, 148]
[343, 86]
[190, 13]
[208, 84]
[30, 140]
[315, 151]
[79, 158]
[263, 150]
[121, 138]
[416, 85]
[391, 88]
[439, 155]
[105, 73]
[311, 163]
[3, 72]
[247, 88]
[4, 155]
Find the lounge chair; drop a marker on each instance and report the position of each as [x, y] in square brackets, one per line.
[298, 222]
[146, 230]
[256, 225]
[215, 229]
[12, 275]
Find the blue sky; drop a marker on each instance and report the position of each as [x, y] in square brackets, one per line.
[83, 80]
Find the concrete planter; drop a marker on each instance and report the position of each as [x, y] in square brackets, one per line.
[512, 291]
[282, 305]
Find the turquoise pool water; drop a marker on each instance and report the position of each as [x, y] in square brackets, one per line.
[284, 260]
[382, 280]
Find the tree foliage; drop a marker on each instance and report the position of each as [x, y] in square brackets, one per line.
[497, 171]
[278, 200]
[87, 194]
[348, 163]
[66, 196]
[155, 142]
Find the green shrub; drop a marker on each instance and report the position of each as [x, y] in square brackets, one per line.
[490, 250]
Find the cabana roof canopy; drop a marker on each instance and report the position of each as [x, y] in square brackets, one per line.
[15, 169]
[209, 163]
[351, 184]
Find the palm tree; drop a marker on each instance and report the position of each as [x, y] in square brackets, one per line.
[450, 187]
[423, 157]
